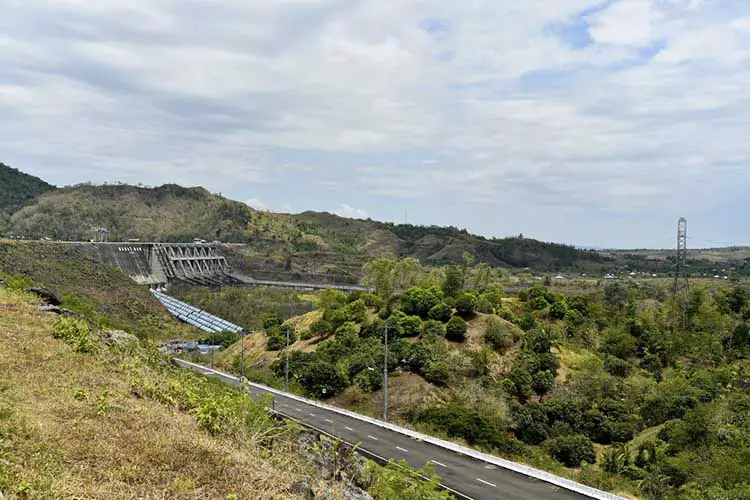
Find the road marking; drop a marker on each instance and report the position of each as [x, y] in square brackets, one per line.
[372, 437]
[399, 448]
[285, 405]
[329, 421]
[438, 463]
[485, 482]
[312, 414]
[297, 409]
[349, 429]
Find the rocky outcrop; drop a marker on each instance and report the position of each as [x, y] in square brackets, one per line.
[45, 294]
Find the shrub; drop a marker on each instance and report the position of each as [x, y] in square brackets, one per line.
[321, 328]
[271, 321]
[558, 310]
[543, 382]
[466, 304]
[411, 325]
[321, 380]
[456, 329]
[433, 328]
[571, 450]
[369, 380]
[496, 335]
[441, 312]
[616, 366]
[275, 341]
[437, 372]
[419, 301]
[476, 426]
[75, 333]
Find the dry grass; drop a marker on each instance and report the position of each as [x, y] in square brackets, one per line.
[56, 445]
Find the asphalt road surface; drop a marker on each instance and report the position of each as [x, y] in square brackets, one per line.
[465, 476]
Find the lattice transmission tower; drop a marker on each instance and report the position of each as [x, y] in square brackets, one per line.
[681, 281]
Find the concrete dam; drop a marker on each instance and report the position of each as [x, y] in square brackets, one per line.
[159, 264]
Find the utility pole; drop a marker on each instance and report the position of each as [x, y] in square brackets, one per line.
[286, 365]
[242, 353]
[211, 348]
[385, 377]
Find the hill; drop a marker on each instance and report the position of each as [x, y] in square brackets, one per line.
[166, 213]
[16, 190]
[619, 387]
[310, 243]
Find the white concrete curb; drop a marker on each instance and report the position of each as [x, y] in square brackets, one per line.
[484, 457]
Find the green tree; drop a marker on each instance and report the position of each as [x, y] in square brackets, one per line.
[571, 450]
[441, 312]
[321, 380]
[456, 329]
[437, 372]
[453, 281]
[497, 335]
[466, 304]
[543, 382]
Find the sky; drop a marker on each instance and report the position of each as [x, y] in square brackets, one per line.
[578, 121]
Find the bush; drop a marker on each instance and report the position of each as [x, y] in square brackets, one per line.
[441, 312]
[456, 329]
[75, 333]
[477, 427]
[321, 380]
[571, 450]
[558, 310]
[276, 341]
[466, 305]
[271, 321]
[321, 328]
[617, 367]
[419, 301]
[412, 325]
[369, 380]
[433, 328]
[496, 335]
[437, 372]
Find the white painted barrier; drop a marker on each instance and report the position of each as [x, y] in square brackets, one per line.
[484, 457]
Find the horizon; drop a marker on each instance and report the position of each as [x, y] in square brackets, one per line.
[583, 120]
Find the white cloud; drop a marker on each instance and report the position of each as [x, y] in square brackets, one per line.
[350, 212]
[483, 101]
[626, 22]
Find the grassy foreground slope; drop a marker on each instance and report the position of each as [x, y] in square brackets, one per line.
[83, 416]
[101, 292]
[95, 425]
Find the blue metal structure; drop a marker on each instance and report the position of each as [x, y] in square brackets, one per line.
[194, 316]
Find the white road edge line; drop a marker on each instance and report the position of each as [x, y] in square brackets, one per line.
[372, 437]
[401, 449]
[485, 482]
[438, 463]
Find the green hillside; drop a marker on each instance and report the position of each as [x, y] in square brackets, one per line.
[16, 190]
[165, 213]
[310, 243]
[619, 387]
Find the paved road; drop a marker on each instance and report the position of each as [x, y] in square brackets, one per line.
[466, 476]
